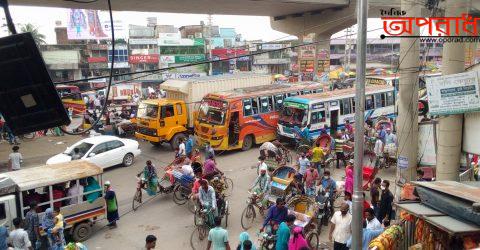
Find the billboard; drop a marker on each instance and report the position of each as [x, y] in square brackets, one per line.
[135, 59]
[453, 94]
[90, 24]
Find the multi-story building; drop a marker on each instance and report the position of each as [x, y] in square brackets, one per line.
[143, 51]
[65, 62]
[274, 61]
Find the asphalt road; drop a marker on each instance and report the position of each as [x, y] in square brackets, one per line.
[170, 223]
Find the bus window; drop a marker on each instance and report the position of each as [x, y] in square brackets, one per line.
[264, 105]
[255, 106]
[317, 117]
[278, 102]
[345, 107]
[247, 107]
[293, 94]
[379, 100]
[305, 92]
[353, 104]
[271, 105]
[390, 98]
[369, 102]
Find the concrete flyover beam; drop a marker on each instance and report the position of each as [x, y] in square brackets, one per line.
[224, 7]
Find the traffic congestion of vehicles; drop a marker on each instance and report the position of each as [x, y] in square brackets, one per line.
[197, 116]
[170, 119]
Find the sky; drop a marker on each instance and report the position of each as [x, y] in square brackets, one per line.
[250, 27]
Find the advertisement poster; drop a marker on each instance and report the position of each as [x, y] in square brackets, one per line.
[90, 24]
[453, 94]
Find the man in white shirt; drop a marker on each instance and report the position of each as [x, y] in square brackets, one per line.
[261, 164]
[372, 221]
[19, 237]
[340, 228]
[181, 148]
[14, 159]
[378, 149]
[74, 190]
[187, 169]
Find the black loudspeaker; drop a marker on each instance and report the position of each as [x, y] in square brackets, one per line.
[28, 99]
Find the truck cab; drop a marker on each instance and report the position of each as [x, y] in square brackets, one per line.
[162, 120]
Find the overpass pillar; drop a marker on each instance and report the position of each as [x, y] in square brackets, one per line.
[321, 62]
[450, 127]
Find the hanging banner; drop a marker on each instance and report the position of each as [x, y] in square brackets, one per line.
[90, 25]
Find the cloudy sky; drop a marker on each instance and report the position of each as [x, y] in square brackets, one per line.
[251, 27]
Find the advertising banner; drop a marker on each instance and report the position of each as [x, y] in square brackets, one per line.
[135, 59]
[272, 46]
[189, 58]
[90, 24]
[167, 59]
[453, 94]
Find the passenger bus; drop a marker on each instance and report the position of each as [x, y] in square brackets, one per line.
[332, 108]
[240, 118]
[72, 97]
[48, 186]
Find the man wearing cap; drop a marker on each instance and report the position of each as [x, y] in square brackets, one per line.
[112, 205]
[261, 185]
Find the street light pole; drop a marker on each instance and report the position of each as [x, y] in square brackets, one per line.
[357, 213]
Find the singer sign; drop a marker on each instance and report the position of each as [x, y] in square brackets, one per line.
[136, 59]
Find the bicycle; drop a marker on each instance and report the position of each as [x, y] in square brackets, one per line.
[200, 233]
[249, 214]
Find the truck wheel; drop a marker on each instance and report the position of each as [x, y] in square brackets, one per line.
[175, 141]
[81, 232]
[247, 142]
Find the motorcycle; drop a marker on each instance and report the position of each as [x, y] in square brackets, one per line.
[325, 211]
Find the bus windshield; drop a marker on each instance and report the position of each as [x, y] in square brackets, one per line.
[212, 114]
[294, 115]
[147, 110]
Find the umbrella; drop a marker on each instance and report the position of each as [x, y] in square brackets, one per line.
[278, 76]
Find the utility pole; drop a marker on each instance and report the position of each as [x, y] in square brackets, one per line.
[407, 120]
[348, 51]
[357, 213]
[209, 47]
[450, 127]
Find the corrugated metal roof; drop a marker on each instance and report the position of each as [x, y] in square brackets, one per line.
[418, 209]
[452, 226]
[458, 189]
[341, 92]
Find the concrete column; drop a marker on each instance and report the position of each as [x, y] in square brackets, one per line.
[450, 127]
[322, 54]
[407, 121]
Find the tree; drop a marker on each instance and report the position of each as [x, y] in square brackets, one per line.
[37, 36]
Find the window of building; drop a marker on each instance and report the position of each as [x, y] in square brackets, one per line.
[121, 55]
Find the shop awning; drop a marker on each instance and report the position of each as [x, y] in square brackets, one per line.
[468, 192]
[418, 209]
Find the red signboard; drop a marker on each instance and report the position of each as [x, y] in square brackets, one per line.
[226, 53]
[101, 59]
[135, 59]
[216, 104]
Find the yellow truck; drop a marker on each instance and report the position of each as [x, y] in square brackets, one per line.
[169, 119]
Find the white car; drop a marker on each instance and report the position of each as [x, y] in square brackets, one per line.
[104, 151]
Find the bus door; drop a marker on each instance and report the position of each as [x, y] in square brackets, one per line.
[334, 109]
[233, 128]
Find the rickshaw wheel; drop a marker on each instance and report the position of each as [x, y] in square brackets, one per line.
[179, 196]
[312, 239]
[248, 216]
[198, 239]
[137, 200]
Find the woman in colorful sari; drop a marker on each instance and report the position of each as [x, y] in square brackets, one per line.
[150, 175]
[297, 242]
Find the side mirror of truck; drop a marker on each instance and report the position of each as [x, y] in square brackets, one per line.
[162, 123]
